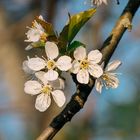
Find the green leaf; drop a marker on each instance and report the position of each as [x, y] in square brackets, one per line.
[38, 44]
[76, 22]
[47, 27]
[74, 45]
[63, 37]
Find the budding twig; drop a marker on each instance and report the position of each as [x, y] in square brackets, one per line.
[79, 98]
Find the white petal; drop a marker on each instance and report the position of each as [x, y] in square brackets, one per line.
[95, 56]
[41, 77]
[102, 65]
[80, 53]
[83, 77]
[38, 27]
[32, 87]
[57, 84]
[75, 67]
[43, 101]
[41, 17]
[64, 63]
[29, 47]
[95, 70]
[99, 2]
[51, 50]
[51, 75]
[114, 80]
[98, 85]
[36, 64]
[26, 68]
[113, 65]
[61, 83]
[59, 97]
[33, 35]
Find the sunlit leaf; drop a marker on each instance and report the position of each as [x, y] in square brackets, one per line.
[77, 21]
[74, 25]
[63, 38]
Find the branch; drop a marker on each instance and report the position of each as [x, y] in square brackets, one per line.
[116, 34]
[79, 98]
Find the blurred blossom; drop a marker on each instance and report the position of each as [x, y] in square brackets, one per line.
[16, 9]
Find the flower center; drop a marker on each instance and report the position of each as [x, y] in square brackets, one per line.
[105, 77]
[43, 37]
[50, 64]
[84, 64]
[47, 89]
[109, 82]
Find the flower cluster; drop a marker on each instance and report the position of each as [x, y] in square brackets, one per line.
[47, 70]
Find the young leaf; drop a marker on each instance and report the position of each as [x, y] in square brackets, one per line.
[63, 37]
[74, 45]
[47, 27]
[76, 22]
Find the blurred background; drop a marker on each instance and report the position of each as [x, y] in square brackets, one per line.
[112, 115]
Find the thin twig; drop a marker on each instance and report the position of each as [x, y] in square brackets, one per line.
[79, 98]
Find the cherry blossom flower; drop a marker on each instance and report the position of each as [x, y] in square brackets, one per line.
[99, 2]
[35, 33]
[63, 63]
[83, 65]
[25, 67]
[109, 78]
[45, 91]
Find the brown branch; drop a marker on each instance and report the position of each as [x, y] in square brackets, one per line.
[79, 98]
[112, 41]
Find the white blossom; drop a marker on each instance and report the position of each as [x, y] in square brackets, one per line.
[36, 32]
[63, 63]
[25, 67]
[45, 90]
[99, 2]
[83, 65]
[109, 78]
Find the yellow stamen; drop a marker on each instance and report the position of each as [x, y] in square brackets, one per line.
[84, 64]
[43, 37]
[46, 89]
[33, 24]
[109, 82]
[105, 77]
[50, 64]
